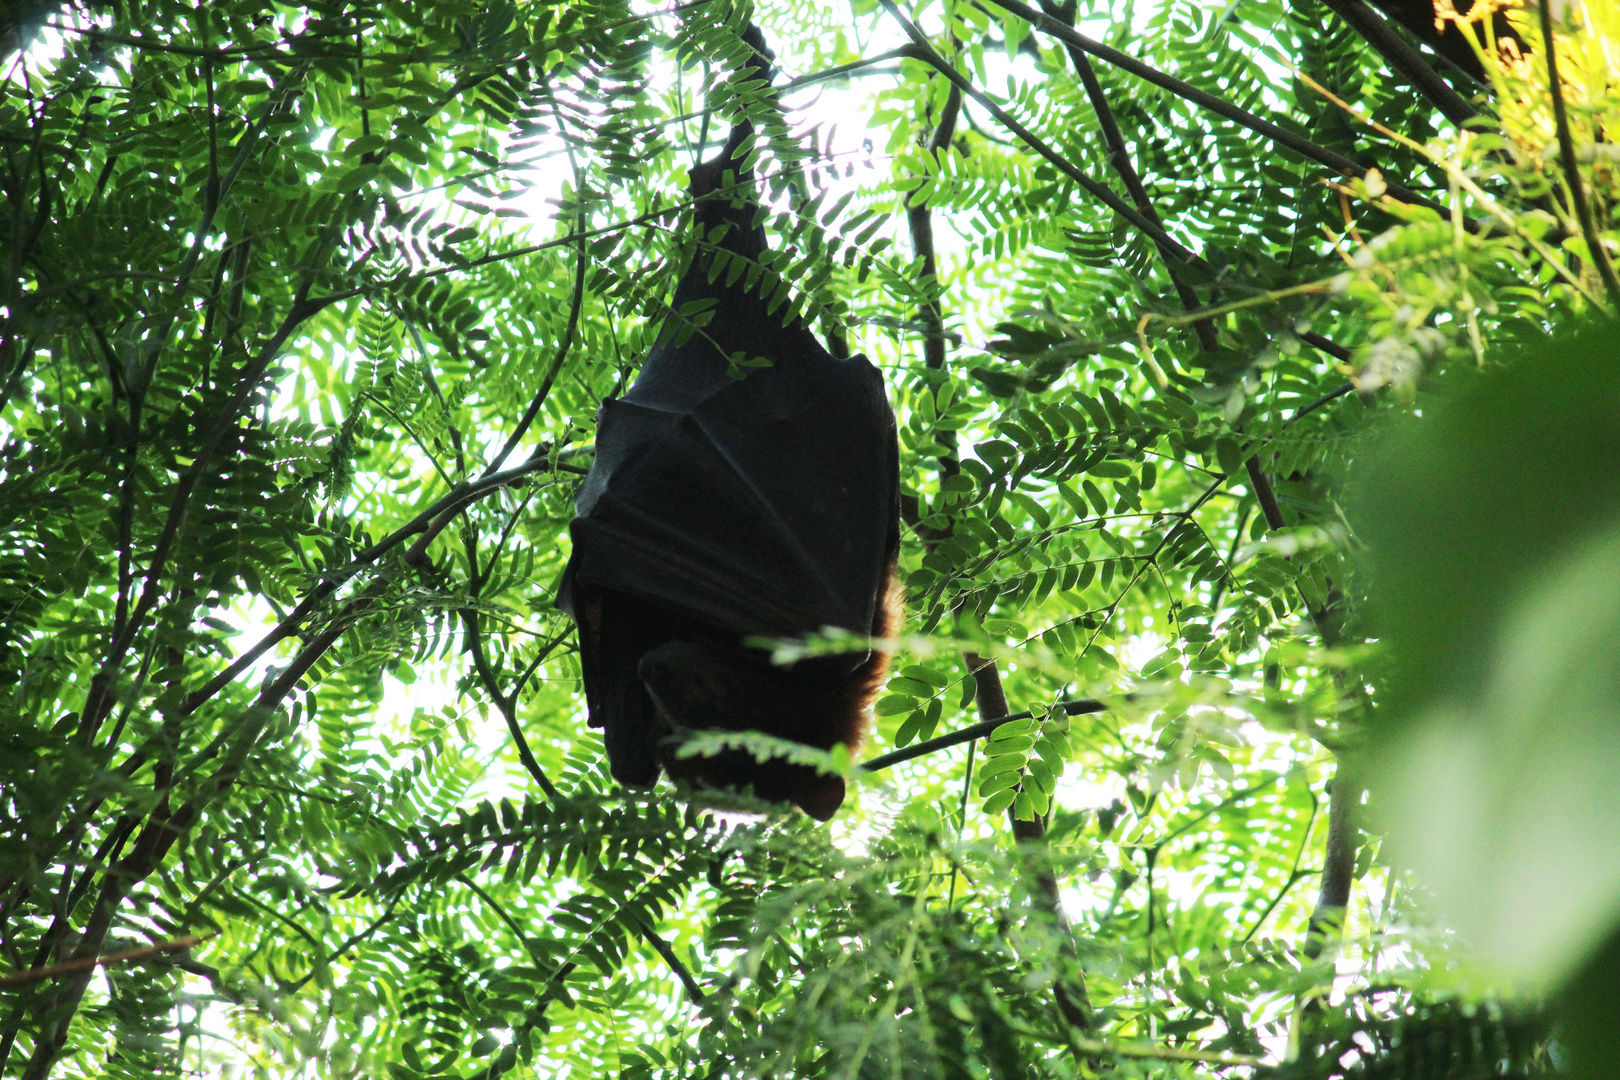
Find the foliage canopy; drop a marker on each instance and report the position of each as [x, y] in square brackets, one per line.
[308, 310]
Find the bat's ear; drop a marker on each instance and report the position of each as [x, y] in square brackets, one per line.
[821, 796]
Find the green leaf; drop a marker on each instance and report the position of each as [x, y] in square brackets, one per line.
[928, 675]
[995, 766]
[1498, 591]
[356, 178]
[913, 687]
[1230, 456]
[1000, 800]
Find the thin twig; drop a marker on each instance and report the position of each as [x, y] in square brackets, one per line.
[568, 240]
[920, 219]
[838, 71]
[576, 302]
[349, 943]
[1236, 797]
[1459, 177]
[215, 189]
[979, 730]
[667, 951]
[27, 978]
[1164, 1053]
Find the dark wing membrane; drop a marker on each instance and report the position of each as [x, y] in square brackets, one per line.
[760, 506]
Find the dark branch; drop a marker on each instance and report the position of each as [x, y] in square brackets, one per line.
[1572, 169]
[1120, 158]
[664, 949]
[1068, 989]
[1098, 191]
[1403, 59]
[333, 580]
[1338, 865]
[1217, 105]
[975, 731]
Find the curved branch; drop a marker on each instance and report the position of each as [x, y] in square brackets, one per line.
[288, 626]
[667, 951]
[507, 704]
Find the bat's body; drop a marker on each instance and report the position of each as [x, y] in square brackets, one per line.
[720, 509]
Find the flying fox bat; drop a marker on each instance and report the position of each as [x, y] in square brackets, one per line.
[721, 509]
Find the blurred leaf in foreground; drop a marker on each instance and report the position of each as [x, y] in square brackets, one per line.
[1492, 530]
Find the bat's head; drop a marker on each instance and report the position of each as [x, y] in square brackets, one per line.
[692, 684]
[698, 685]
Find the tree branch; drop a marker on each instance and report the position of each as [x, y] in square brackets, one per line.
[1217, 105]
[302, 308]
[1403, 59]
[667, 951]
[920, 220]
[349, 943]
[575, 304]
[1073, 1001]
[508, 706]
[1338, 865]
[1098, 191]
[1596, 252]
[974, 731]
[34, 975]
[1120, 158]
[333, 580]
[162, 829]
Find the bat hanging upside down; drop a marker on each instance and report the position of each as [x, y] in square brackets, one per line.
[721, 509]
